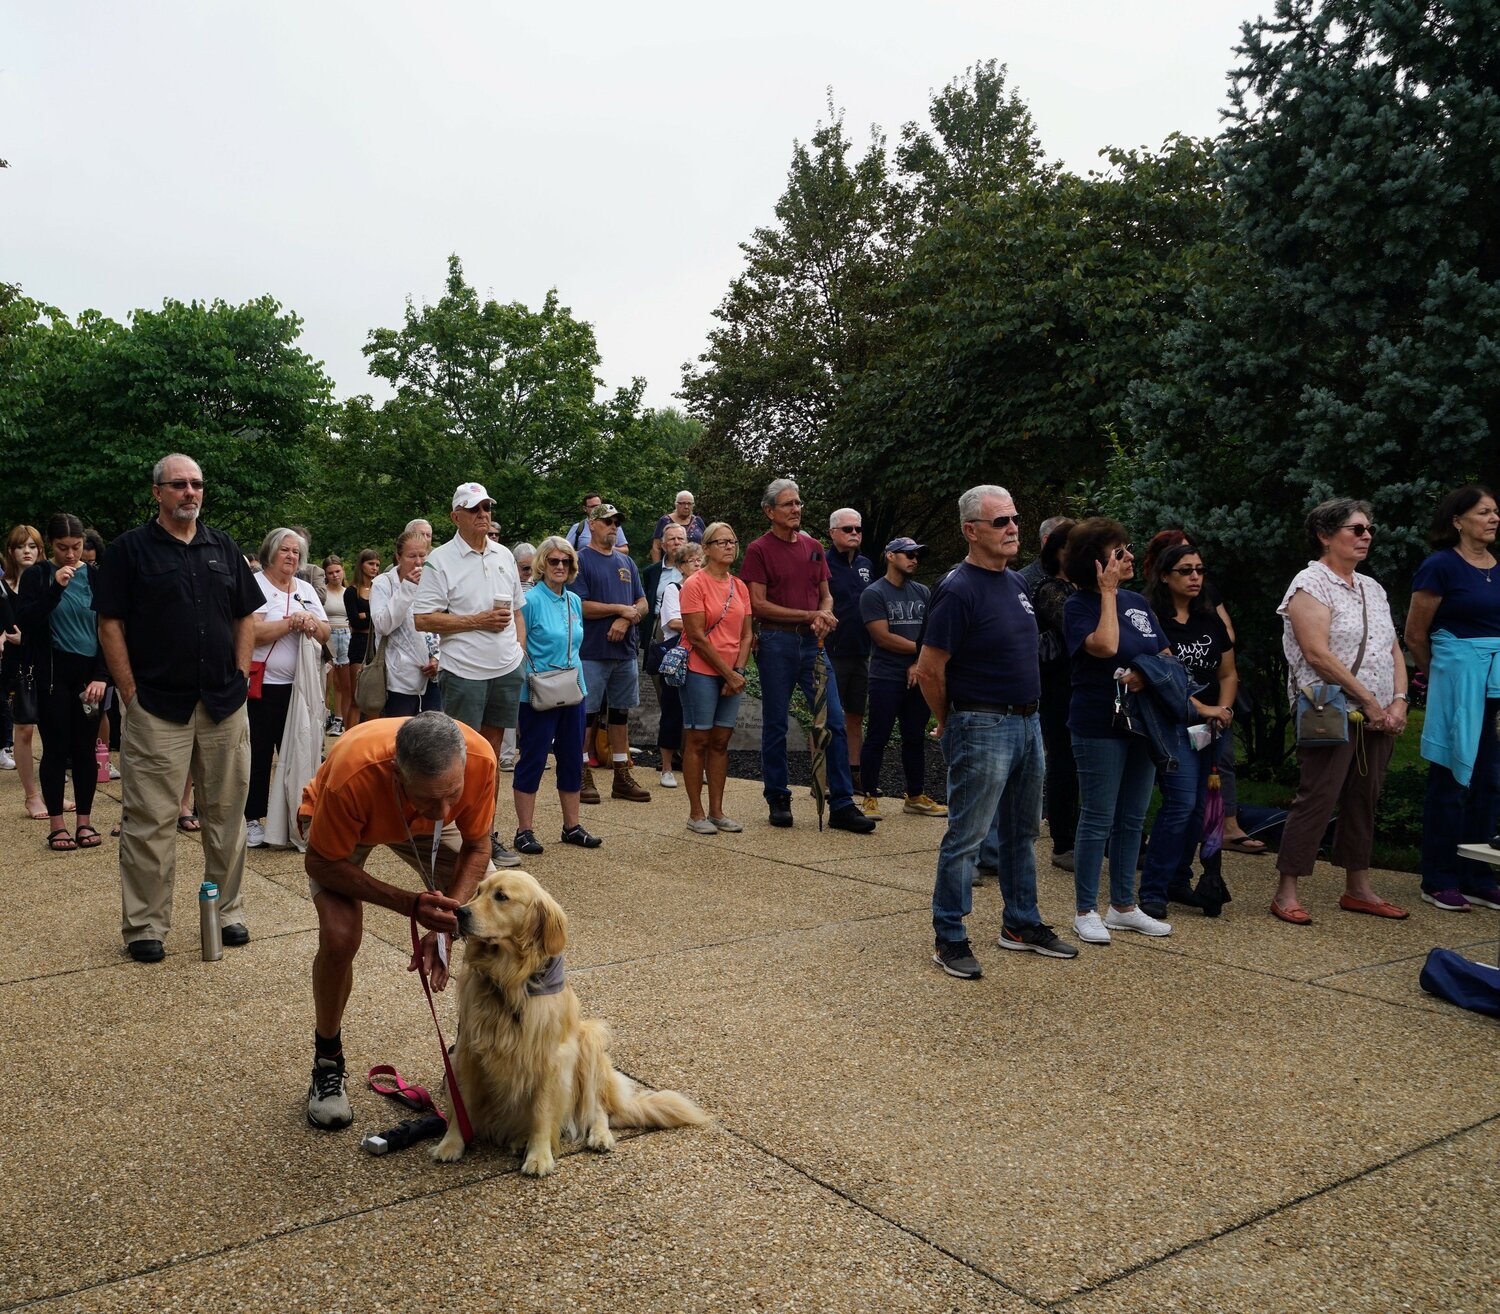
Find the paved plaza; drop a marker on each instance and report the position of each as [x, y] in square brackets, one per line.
[1245, 1116]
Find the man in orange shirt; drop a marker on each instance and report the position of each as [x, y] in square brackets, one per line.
[424, 786]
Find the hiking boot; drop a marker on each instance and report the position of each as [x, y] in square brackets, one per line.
[1039, 939]
[955, 958]
[328, 1096]
[589, 793]
[919, 805]
[625, 786]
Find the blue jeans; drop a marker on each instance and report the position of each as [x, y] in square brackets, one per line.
[1454, 815]
[1115, 777]
[787, 662]
[400, 704]
[1169, 832]
[995, 771]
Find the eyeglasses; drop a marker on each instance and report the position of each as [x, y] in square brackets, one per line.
[1188, 570]
[559, 561]
[1120, 553]
[723, 542]
[850, 529]
[1359, 531]
[789, 506]
[181, 485]
[999, 522]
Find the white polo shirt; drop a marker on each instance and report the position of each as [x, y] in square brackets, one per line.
[465, 581]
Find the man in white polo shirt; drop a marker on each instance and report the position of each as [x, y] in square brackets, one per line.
[471, 595]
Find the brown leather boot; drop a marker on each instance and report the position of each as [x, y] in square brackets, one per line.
[625, 786]
[589, 793]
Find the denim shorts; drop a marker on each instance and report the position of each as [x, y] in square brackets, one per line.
[705, 705]
[338, 646]
[616, 683]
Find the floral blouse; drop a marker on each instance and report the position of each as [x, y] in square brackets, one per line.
[1348, 605]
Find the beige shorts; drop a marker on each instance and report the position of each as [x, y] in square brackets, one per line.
[449, 848]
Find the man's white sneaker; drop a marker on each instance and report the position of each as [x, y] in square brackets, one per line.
[328, 1096]
[255, 834]
[1089, 928]
[1136, 920]
[668, 780]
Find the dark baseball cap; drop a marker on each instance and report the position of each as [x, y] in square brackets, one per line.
[905, 545]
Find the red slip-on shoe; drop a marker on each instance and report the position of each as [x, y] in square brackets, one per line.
[1376, 907]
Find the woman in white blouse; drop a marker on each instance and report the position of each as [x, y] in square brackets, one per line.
[1338, 630]
[411, 659]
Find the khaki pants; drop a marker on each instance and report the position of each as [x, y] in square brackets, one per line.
[156, 757]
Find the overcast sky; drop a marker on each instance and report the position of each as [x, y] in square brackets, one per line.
[333, 154]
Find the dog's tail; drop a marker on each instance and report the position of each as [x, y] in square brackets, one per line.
[629, 1105]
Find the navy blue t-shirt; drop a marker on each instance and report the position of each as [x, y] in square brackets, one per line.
[903, 609]
[1091, 710]
[847, 581]
[983, 620]
[607, 577]
[1470, 606]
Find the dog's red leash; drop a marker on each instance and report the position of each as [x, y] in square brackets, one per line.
[460, 1114]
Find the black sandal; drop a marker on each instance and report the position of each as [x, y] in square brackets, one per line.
[65, 844]
[88, 837]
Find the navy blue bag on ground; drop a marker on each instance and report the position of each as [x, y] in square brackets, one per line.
[1462, 981]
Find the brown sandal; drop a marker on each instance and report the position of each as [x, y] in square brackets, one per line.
[59, 841]
[88, 837]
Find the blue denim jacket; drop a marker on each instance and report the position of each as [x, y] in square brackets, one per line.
[1163, 708]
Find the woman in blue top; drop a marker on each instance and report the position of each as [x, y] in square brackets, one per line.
[1453, 632]
[58, 628]
[554, 633]
[1106, 628]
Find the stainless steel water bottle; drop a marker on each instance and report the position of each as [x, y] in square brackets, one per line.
[208, 922]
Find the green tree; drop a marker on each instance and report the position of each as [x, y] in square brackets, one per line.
[495, 392]
[88, 406]
[1352, 345]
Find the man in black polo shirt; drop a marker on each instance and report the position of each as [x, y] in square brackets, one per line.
[979, 673]
[176, 603]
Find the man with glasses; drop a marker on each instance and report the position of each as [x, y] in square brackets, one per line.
[979, 672]
[683, 516]
[848, 647]
[471, 597]
[787, 574]
[578, 536]
[893, 610]
[614, 603]
[176, 603]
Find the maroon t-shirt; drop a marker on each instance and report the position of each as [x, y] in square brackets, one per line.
[792, 572]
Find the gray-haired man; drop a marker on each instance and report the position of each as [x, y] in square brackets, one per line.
[423, 786]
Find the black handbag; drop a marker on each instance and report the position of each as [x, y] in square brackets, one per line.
[23, 697]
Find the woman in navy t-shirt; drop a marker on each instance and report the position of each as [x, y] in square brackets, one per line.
[1453, 632]
[1107, 627]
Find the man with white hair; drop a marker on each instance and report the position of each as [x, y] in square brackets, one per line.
[419, 526]
[424, 787]
[979, 672]
[848, 647]
[680, 514]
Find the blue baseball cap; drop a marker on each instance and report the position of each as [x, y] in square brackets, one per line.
[905, 545]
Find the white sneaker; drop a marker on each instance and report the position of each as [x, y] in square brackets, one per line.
[668, 780]
[507, 762]
[702, 826]
[1136, 920]
[7, 762]
[255, 834]
[1089, 928]
[114, 771]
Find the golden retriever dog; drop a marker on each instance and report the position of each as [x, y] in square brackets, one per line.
[530, 1069]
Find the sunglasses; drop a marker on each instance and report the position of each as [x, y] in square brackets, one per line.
[1120, 553]
[1359, 531]
[999, 522]
[559, 561]
[180, 485]
[850, 529]
[477, 508]
[1188, 570]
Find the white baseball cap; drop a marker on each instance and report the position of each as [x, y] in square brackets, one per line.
[470, 494]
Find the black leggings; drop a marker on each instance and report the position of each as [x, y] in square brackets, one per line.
[267, 721]
[67, 734]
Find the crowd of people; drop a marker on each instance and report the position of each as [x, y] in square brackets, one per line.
[1058, 681]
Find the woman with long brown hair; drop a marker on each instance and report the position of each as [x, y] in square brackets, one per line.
[357, 608]
[23, 549]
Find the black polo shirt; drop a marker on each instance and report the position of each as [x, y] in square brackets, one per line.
[179, 602]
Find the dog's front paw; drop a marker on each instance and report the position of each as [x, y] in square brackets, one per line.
[451, 1148]
[600, 1138]
[538, 1162]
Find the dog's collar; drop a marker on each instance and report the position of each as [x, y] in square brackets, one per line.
[550, 980]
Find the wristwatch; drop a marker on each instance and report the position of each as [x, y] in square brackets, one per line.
[1401, 696]
[742, 670]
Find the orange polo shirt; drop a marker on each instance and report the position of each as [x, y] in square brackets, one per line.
[353, 800]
